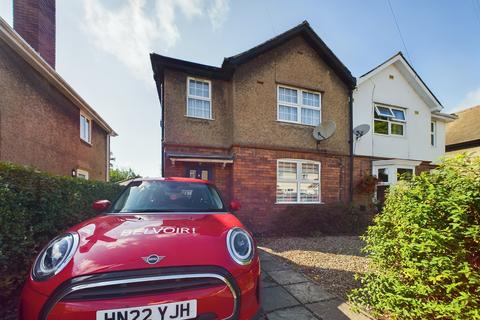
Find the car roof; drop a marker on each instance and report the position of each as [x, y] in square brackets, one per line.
[172, 179]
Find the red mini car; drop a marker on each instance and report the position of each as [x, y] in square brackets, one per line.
[165, 249]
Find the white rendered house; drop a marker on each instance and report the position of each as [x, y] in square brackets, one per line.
[407, 127]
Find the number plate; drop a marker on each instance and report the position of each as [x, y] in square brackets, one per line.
[167, 311]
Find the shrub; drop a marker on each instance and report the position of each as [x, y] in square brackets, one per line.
[34, 208]
[425, 247]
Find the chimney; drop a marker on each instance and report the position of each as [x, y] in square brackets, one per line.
[34, 20]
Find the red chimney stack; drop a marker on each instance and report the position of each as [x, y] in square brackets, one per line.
[34, 20]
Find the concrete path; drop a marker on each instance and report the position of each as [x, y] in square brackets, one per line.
[288, 294]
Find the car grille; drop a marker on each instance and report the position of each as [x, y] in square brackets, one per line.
[121, 284]
[142, 288]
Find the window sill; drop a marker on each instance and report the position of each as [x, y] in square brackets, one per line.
[198, 118]
[86, 142]
[296, 124]
[390, 135]
[300, 203]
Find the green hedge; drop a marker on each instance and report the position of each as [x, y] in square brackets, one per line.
[425, 247]
[34, 208]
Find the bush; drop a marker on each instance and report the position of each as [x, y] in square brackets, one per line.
[425, 247]
[34, 208]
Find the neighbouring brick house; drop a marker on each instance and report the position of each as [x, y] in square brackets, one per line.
[43, 122]
[247, 125]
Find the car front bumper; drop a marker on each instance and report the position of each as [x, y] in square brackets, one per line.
[219, 295]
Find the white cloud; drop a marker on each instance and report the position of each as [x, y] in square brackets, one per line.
[218, 13]
[130, 32]
[471, 99]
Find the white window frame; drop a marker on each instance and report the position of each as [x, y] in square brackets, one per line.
[89, 119]
[390, 120]
[299, 105]
[392, 172]
[209, 99]
[82, 172]
[299, 180]
[433, 133]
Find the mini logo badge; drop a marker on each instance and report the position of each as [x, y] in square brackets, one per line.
[152, 259]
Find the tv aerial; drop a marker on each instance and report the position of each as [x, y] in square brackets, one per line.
[324, 130]
[360, 130]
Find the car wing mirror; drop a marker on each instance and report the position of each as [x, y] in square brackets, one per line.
[101, 205]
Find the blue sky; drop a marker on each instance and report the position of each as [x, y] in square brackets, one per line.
[103, 47]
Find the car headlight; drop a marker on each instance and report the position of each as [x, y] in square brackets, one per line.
[55, 256]
[240, 246]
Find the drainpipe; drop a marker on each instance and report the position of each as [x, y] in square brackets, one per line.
[107, 178]
[159, 83]
[350, 109]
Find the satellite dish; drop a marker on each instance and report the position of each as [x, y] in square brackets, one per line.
[360, 131]
[324, 130]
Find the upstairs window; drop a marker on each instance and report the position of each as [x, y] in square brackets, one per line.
[298, 181]
[199, 98]
[389, 120]
[433, 129]
[85, 128]
[298, 106]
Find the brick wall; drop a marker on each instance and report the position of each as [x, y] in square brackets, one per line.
[252, 179]
[40, 127]
[255, 180]
[34, 20]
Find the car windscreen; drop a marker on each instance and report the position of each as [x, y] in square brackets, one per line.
[168, 196]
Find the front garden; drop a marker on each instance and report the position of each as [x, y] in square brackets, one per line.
[420, 258]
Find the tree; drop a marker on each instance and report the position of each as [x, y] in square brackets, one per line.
[122, 174]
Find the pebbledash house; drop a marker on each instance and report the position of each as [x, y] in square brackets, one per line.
[247, 125]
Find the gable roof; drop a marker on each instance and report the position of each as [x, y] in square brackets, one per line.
[159, 63]
[311, 37]
[465, 128]
[412, 77]
[11, 38]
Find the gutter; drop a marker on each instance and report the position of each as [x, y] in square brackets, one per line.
[444, 116]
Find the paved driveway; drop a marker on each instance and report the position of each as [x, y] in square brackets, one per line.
[288, 294]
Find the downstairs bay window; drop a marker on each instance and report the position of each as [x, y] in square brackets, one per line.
[298, 181]
[389, 172]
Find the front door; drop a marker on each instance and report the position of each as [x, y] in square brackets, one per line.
[199, 171]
